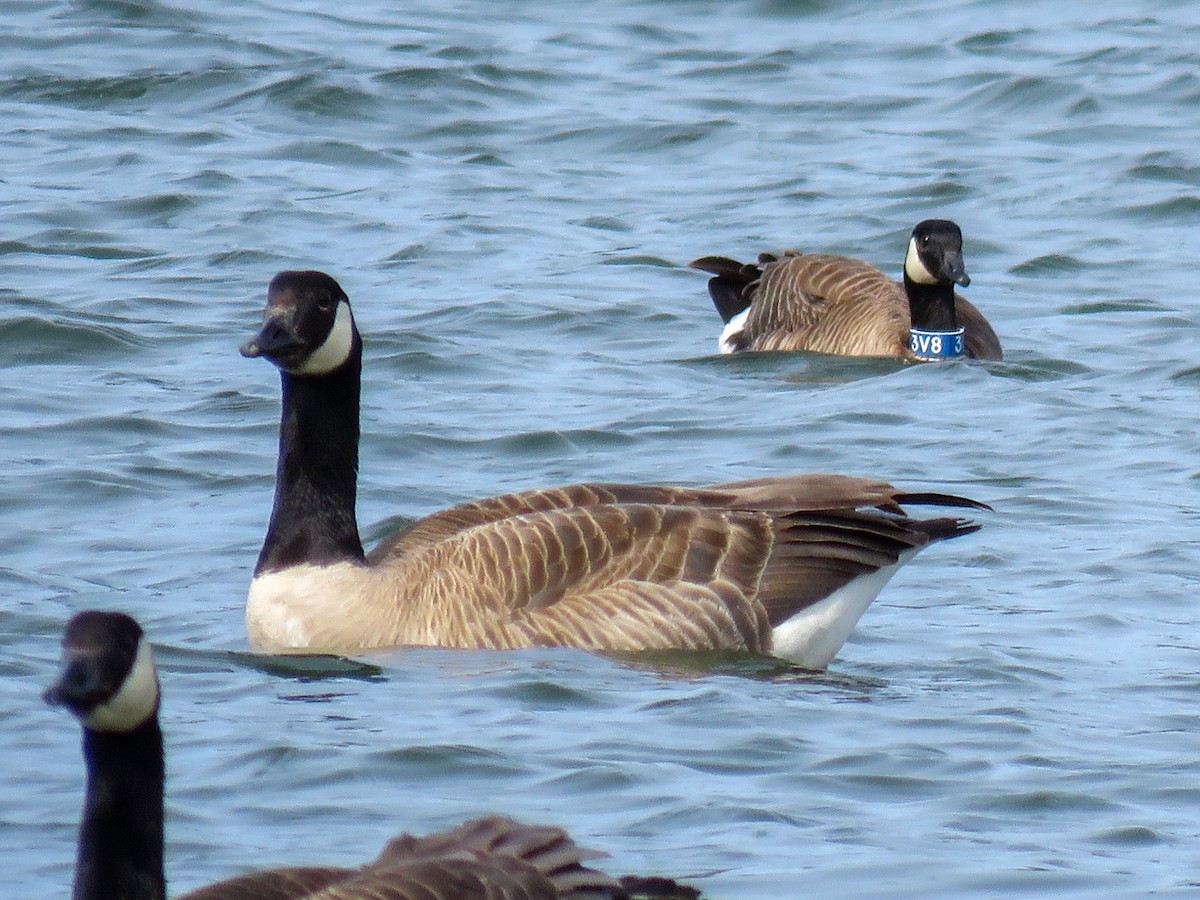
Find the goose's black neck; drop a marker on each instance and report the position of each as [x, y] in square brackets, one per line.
[121, 837]
[316, 482]
[931, 306]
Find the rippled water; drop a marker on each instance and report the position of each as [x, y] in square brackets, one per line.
[509, 193]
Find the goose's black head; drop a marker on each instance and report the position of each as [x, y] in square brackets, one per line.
[935, 254]
[308, 328]
[108, 679]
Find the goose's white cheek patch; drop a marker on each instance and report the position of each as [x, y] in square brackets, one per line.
[135, 702]
[336, 348]
[914, 268]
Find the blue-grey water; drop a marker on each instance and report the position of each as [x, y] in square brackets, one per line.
[510, 193]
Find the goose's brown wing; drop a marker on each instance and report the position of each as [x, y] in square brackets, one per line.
[810, 491]
[630, 567]
[817, 553]
[830, 529]
[828, 304]
[822, 490]
[611, 576]
[805, 491]
[446, 523]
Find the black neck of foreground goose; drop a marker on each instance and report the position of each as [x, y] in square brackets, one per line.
[108, 682]
[121, 836]
[313, 520]
[931, 306]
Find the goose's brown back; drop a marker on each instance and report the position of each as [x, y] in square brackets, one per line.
[828, 304]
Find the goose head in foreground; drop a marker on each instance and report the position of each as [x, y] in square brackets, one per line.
[782, 565]
[839, 305]
[108, 681]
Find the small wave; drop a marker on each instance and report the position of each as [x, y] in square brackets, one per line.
[34, 339]
[1182, 209]
[1049, 264]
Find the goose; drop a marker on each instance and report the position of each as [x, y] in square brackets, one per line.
[839, 305]
[778, 565]
[108, 681]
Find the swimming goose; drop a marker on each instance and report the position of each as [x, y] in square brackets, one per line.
[781, 565]
[839, 305]
[108, 681]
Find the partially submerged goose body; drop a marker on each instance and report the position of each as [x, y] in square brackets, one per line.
[844, 306]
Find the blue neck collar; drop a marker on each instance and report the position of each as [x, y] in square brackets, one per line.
[932, 345]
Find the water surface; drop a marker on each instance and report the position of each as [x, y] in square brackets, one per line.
[509, 193]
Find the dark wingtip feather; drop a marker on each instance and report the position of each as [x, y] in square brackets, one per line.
[945, 528]
[936, 499]
[717, 265]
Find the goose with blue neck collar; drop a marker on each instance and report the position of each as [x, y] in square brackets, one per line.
[826, 303]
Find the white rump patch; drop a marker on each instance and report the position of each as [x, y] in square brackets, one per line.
[914, 268]
[813, 636]
[135, 702]
[335, 349]
[732, 329]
